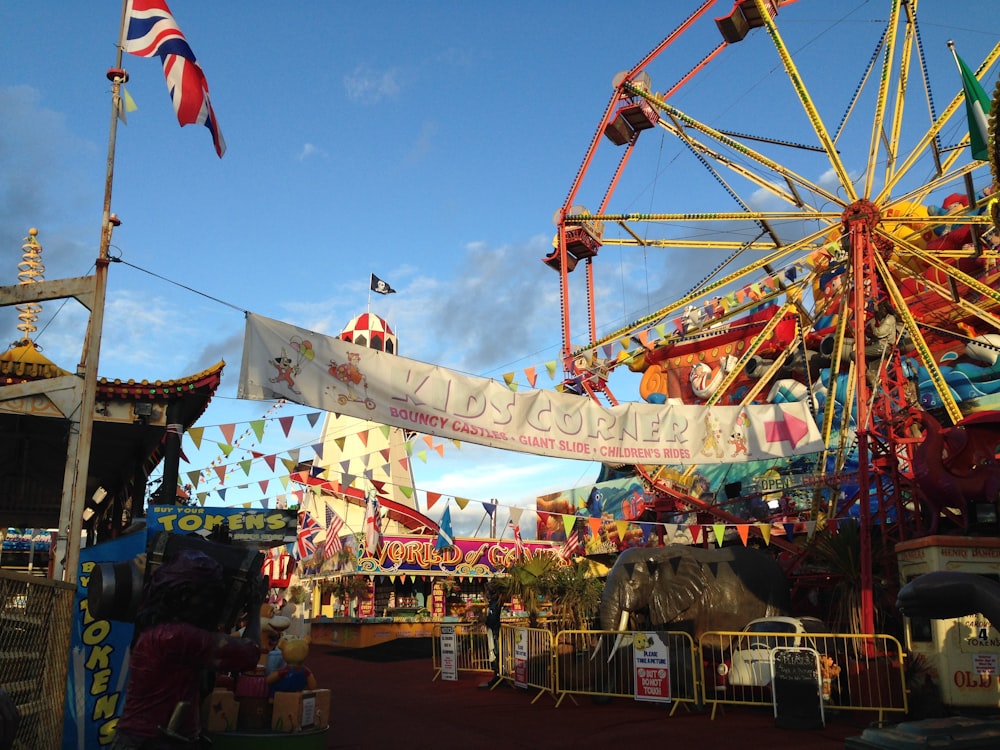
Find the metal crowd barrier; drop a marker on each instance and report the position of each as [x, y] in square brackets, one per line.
[536, 671]
[36, 615]
[866, 673]
[472, 648]
[858, 672]
[601, 663]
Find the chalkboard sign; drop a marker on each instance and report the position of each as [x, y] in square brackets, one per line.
[796, 688]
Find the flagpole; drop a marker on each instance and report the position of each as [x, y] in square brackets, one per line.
[81, 439]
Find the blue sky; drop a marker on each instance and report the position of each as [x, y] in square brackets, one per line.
[429, 143]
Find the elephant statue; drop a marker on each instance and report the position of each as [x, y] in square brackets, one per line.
[693, 588]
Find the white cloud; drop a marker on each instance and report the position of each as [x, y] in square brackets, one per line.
[370, 86]
[311, 151]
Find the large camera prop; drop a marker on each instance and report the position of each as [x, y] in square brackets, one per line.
[115, 590]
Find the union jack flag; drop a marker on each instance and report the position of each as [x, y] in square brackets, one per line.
[305, 546]
[151, 31]
[334, 524]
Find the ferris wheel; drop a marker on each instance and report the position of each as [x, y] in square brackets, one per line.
[791, 208]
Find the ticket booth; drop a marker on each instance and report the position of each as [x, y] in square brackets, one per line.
[962, 653]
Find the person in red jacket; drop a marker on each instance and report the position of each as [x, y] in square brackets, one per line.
[177, 640]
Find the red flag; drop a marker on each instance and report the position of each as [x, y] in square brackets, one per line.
[518, 543]
[373, 527]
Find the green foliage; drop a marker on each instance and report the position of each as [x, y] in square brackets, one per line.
[573, 590]
[347, 587]
[840, 555]
[296, 594]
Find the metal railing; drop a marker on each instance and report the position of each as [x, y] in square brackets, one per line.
[472, 652]
[35, 619]
[601, 663]
[857, 672]
[528, 658]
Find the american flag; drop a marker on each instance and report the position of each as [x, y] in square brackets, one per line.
[572, 545]
[305, 545]
[151, 31]
[334, 524]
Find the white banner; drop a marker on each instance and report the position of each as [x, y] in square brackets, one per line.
[283, 361]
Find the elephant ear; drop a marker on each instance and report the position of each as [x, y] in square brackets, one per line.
[679, 582]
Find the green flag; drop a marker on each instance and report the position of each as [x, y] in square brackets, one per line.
[977, 108]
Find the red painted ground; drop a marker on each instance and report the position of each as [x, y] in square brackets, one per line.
[388, 699]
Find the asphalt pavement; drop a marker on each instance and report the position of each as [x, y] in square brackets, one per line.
[386, 697]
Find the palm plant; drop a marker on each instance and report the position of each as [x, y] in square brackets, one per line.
[840, 554]
[524, 580]
[574, 591]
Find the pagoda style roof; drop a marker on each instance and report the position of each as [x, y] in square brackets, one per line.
[163, 390]
[24, 362]
[130, 422]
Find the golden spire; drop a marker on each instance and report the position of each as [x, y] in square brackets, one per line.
[29, 270]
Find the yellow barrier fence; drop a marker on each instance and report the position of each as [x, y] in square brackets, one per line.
[527, 658]
[472, 652]
[857, 672]
[35, 619]
[601, 664]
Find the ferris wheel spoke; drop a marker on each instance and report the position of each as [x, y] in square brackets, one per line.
[735, 145]
[791, 197]
[910, 41]
[920, 194]
[749, 270]
[927, 139]
[751, 350]
[807, 103]
[923, 350]
[888, 55]
[946, 297]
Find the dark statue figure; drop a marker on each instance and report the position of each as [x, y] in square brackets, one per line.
[944, 594]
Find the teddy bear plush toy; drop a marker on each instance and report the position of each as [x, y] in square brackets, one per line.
[294, 676]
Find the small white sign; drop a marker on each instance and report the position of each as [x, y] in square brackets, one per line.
[308, 709]
[651, 664]
[449, 653]
[521, 658]
[984, 664]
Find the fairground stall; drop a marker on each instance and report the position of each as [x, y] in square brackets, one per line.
[407, 588]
